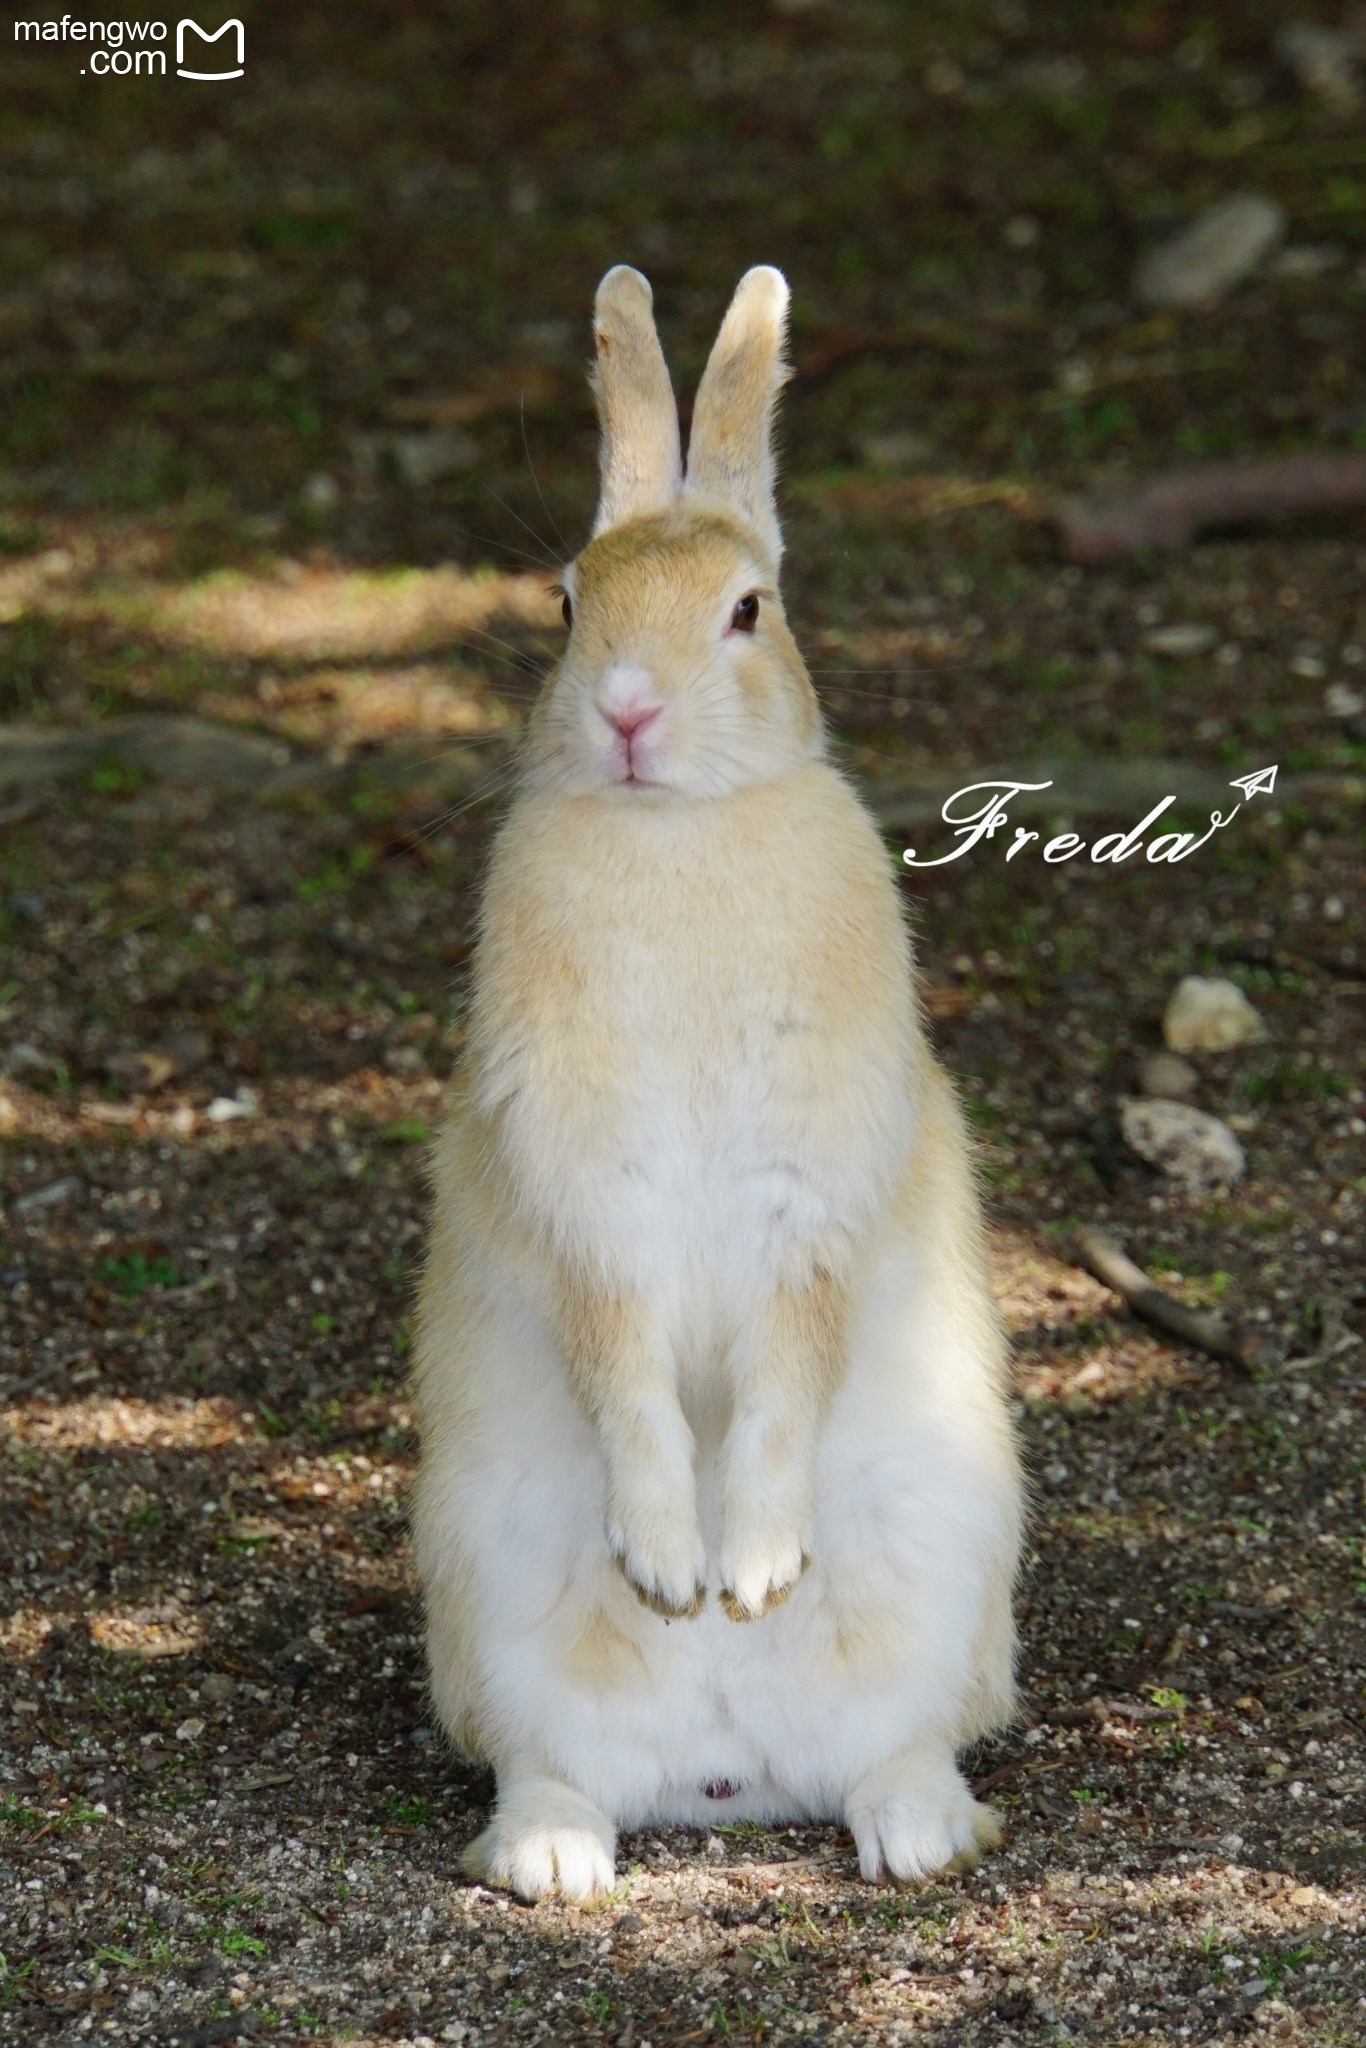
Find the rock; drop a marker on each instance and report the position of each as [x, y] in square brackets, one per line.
[1192, 1148]
[321, 494]
[52, 1196]
[151, 1067]
[423, 459]
[1165, 1077]
[1323, 61]
[898, 448]
[1180, 640]
[218, 1688]
[1209, 1015]
[1340, 700]
[141, 1072]
[224, 1109]
[1201, 264]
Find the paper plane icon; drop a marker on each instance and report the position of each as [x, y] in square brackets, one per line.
[1260, 784]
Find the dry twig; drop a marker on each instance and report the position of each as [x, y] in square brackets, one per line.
[1203, 1329]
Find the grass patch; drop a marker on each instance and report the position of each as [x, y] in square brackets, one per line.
[136, 1274]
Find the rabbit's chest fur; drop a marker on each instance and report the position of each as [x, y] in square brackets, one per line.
[682, 1071]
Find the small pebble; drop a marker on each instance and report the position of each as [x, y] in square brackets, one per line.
[897, 448]
[1166, 1077]
[1203, 262]
[49, 1197]
[321, 494]
[227, 1108]
[1194, 1149]
[1209, 1014]
[1323, 62]
[1179, 640]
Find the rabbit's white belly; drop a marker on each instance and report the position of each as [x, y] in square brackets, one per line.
[709, 1719]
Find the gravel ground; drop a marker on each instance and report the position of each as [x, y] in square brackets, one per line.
[226, 1811]
[294, 414]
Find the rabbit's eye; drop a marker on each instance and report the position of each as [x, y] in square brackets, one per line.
[746, 614]
[567, 609]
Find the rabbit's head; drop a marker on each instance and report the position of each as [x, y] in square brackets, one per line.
[680, 676]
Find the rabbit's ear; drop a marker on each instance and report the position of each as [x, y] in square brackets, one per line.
[730, 454]
[640, 460]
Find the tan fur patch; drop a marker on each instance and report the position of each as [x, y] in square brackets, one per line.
[602, 1657]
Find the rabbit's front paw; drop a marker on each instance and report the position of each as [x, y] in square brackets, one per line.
[545, 1837]
[664, 1562]
[914, 1815]
[758, 1573]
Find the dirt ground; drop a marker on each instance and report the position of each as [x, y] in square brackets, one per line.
[294, 420]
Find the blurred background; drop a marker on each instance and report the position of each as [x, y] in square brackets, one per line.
[295, 431]
[330, 320]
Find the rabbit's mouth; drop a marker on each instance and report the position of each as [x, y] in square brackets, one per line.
[721, 1788]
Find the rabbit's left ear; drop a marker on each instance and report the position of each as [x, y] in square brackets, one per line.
[730, 453]
[640, 459]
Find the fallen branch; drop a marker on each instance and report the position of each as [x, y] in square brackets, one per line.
[1171, 511]
[1336, 1337]
[1203, 1329]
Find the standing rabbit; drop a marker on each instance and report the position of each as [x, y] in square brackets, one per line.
[719, 1506]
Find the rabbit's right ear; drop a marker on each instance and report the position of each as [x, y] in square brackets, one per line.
[641, 462]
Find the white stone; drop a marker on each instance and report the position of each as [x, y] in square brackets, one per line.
[1203, 262]
[1340, 700]
[1190, 1147]
[1323, 61]
[425, 458]
[897, 448]
[1177, 641]
[321, 493]
[1209, 1015]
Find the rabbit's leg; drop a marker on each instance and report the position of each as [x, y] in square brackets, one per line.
[621, 1374]
[786, 1365]
[914, 1815]
[544, 1836]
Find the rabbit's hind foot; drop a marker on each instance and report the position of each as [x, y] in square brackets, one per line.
[913, 1816]
[544, 1837]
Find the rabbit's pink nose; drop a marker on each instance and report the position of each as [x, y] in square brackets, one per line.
[629, 719]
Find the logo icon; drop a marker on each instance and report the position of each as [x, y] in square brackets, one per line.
[1260, 784]
[236, 49]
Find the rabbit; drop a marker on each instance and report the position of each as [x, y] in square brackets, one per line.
[719, 1506]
